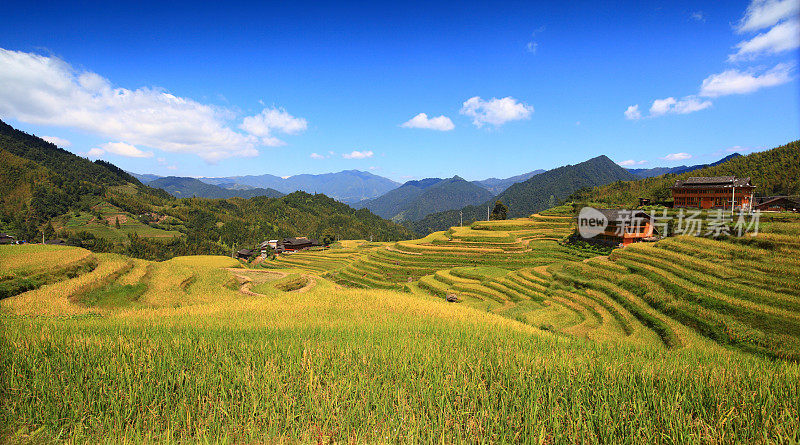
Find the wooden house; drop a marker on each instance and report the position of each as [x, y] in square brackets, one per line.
[7, 239]
[244, 254]
[718, 192]
[779, 204]
[625, 227]
[296, 244]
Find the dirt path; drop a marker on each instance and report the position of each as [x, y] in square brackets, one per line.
[310, 283]
[248, 281]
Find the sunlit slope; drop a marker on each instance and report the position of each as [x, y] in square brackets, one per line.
[187, 356]
[742, 294]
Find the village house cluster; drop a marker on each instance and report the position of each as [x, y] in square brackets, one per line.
[721, 197]
[285, 245]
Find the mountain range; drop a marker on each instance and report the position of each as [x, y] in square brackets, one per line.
[537, 193]
[181, 187]
[416, 199]
[497, 186]
[658, 171]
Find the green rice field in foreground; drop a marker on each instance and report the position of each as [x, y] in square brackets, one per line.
[686, 340]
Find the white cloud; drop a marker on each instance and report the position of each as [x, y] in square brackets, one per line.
[441, 123]
[532, 47]
[95, 152]
[44, 90]
[743, 82]
[670, 105]
[122, 149]
[272, 120]
[782, 37]
[765, 13]
[60, 142]
[633, 113]
[355, 154]
[495, 111]
[373, 168]
[316, 156]
[698, 16]
[631, 162]
[677, 157]
[172, 167]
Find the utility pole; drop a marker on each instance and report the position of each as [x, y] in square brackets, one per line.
[733, 197]
[461, 216]
[487, 213]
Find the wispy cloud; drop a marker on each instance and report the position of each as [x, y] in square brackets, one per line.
[495, 112]
[440, 123]
[316, 156]
[633, 113]
[742, 82]
[60, 142]
[355, 154]
[677, 157]
[121, 149]
[762, 14]
[631, 162]
[272, 120]
[780, 38]
[670, 105]
[45, 90]
[698, 16]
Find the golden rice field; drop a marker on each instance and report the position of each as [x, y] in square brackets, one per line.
[687, 340]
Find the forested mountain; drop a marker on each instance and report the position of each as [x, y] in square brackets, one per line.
[416, 199]
[181, 187]
[394, 201]
[773, 172]
[448, 194]
[497, 186]
[49, 192]
[348, 186]
[145, 177]
[658, 171]
[537, 193]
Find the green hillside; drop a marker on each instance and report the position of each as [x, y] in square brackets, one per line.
[394, 201]
[533, 195]
[773, 172]
[540, 192]
[181, 187]
[50, 193]
[448, 194]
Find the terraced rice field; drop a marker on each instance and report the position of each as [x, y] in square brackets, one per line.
[686, 340]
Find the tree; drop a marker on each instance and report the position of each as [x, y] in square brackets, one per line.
[552, 202]
[500, 211]
[116, 223]
[49, 232]
[327, 239]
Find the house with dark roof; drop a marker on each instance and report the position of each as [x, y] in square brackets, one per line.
[779, 204]
[717, 192]
[296, 244]
[7, 239]
[245, 254]
[623, 227]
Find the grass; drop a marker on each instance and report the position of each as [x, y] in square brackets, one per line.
[680, 341]
[105, 226]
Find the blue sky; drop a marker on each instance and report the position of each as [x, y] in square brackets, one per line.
[507, 87]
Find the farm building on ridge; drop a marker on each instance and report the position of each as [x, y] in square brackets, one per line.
[779, 204]
[296, 244]
[718, 192]
[244, 254]
[624, 227]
